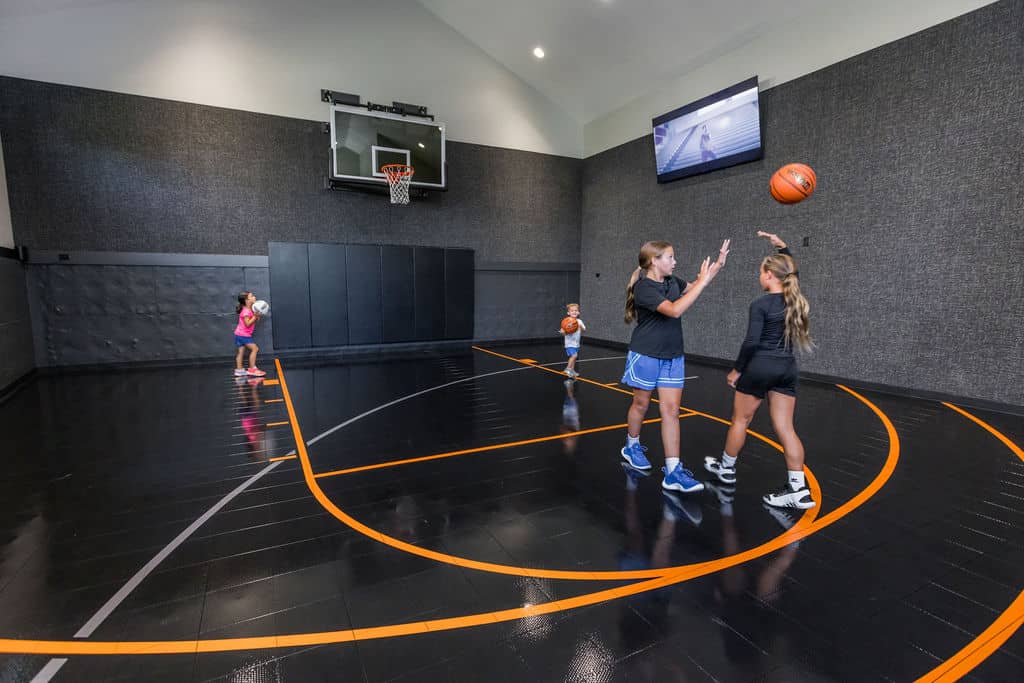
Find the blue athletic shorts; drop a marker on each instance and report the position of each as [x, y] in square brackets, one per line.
[644, 372]
[572, 350]
[242, 341]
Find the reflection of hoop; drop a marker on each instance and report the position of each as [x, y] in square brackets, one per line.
[399, 177]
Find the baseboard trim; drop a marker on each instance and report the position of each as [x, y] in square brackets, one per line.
[903, 392]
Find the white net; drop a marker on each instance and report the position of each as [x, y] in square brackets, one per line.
[399, 177]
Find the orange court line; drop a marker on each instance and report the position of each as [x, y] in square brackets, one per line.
[805, 527]
[479, 449]
[277, 424]
[527, 360]
[270, 382]
[574, 575]
[283, 457]
[274, 400]
[989, 640]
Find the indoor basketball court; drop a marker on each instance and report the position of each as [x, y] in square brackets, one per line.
[416, 459]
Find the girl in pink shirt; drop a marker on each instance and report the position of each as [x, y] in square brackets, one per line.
[243, 335]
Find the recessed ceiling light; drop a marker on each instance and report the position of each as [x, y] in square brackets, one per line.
[538, 52]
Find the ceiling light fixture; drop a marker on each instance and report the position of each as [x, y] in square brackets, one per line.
[538, 52]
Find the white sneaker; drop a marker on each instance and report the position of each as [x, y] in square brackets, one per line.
[239, 372]
[725, 474]
[786, 497]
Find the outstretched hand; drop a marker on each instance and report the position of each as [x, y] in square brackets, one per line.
[773, 238]
[723, 253]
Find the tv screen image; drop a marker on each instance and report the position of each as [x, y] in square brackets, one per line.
[716, 131]
[362, 141]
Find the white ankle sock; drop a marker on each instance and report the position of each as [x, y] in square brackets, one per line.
[670, 464]
[796, 480]
[728, 460]
[631, 440]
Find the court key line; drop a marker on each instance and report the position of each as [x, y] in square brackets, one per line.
[805, 527]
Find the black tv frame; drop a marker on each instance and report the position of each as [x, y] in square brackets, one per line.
[724, 162]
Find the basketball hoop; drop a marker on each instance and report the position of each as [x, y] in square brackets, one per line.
[399, 177]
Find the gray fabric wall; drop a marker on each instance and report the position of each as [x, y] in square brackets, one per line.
[916, 229]
[16, 354]
[99, 171]
[88, 314]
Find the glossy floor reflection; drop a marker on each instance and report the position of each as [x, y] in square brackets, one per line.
[505, 482]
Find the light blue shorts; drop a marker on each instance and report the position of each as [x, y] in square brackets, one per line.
[572, 350]
[644, 372]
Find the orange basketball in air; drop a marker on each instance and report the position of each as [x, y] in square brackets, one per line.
[569, 325]
[793, 183]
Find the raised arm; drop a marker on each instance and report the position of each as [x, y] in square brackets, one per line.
[708, 271]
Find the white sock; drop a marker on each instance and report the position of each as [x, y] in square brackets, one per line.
[631, 440]
[670, 464]
[728, 460]
[796, 479]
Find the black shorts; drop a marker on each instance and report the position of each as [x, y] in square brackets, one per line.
[769, 373]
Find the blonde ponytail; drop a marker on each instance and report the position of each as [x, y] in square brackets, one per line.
[798, 310]
[630, 314]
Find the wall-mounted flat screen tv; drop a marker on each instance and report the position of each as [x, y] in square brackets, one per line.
[716, 131]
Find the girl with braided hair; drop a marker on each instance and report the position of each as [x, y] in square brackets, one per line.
[767, 367]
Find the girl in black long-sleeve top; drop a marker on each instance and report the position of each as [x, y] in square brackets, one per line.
[766, 367]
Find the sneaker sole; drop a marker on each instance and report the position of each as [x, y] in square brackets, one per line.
[629, 462]
[679, 487]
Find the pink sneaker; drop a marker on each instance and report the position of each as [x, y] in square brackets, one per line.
[256, 372]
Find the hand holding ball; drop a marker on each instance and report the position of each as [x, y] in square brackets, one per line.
[569, 325]
[261, 308]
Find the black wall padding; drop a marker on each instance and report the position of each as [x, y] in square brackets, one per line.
[289, 291]
[356, 294]
[429, 285]
[364, 294]
[328, 294]
[458, 293]
[397, 291]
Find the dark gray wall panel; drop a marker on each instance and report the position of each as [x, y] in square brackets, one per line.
[429, 284]
[126, 173]
[107, 314]
[458, 294]
[398, 294]
[289, 286]
[916, 240]
[328, 294]
[17, 356]
[517, 305]
[364, 296]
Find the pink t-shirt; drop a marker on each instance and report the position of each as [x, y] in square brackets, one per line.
[244, 330]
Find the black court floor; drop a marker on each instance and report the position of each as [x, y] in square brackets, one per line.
[467, 517]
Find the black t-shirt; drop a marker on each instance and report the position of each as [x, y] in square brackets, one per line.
[657, 335]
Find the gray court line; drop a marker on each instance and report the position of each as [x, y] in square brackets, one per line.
[426, 391]
[54, 665]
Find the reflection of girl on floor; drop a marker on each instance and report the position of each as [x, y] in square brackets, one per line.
[570, 418]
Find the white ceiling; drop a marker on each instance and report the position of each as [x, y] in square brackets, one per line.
[602, 54]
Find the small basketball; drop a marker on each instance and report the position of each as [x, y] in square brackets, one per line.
[261, 307]
[569, 325]
[793, 183]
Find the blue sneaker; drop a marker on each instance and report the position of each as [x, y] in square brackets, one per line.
[634, 455]
[681, 479]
